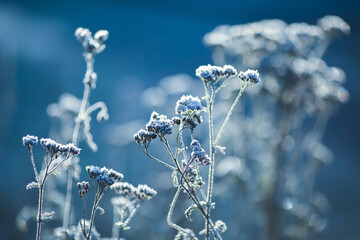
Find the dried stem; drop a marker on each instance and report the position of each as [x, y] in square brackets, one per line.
[89, 58]
[171, 210]
[210, 103]
[217, 139]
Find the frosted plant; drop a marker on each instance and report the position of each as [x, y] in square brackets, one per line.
[185, 170]
[92, 45]
[280, 137]
[102, 179]
[55, 155]
[299, 88]
[126, 205]
[69, 108]
[65, 156]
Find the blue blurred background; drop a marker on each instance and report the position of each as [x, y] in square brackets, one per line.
[40, 59]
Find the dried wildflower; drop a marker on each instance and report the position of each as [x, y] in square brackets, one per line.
[249, 76]
[205, 73]
[53, 147]
[144, 137]
[103, 176]
[91, 45]
[192, 176]
[124, 188]
[198, 153]
[159, 124]
[84, 188]
[176, 120]
[144, 192]
[229, 71]
[30, 141]
[190, 172]
[188, 104]
[212, 74]
[188, 122]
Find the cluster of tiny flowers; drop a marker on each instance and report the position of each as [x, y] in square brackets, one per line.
[249, 76]
[191, 122]
[211, 74]
[124, 188]
[143, 136]
[229, 71]
[30, 141]
[103, 176]
[188, 103]
[190, 173]
[176, 120]
[84, 188]
[144, 192]
[198, 153]
[92, 44]
[53, 147]
[159, 124]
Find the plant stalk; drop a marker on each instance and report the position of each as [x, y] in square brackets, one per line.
[76, 138]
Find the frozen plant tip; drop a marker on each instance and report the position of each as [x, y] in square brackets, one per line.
[84, 188]
[249, 76]
[103, 176]
[159, 124]
[54, 148]
[143, 137]
[333, 25]
[198, 153]
[212, 74]
[187, 105]
[30, 141]
[144, 192]
[93, 45]
[124, 188]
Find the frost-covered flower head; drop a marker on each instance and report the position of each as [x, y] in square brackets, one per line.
[103, 176]
[53, 147]
[159, 124]
[198, 153]
[187, 105]
[249, 76]
[191, 122]
[176, 120]
[229, 71]
[190, 171]
[84, 188]
[212, 74]
[30, 141]
[144, 136]
[144, 192]
[92, 45]
[124, 188]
